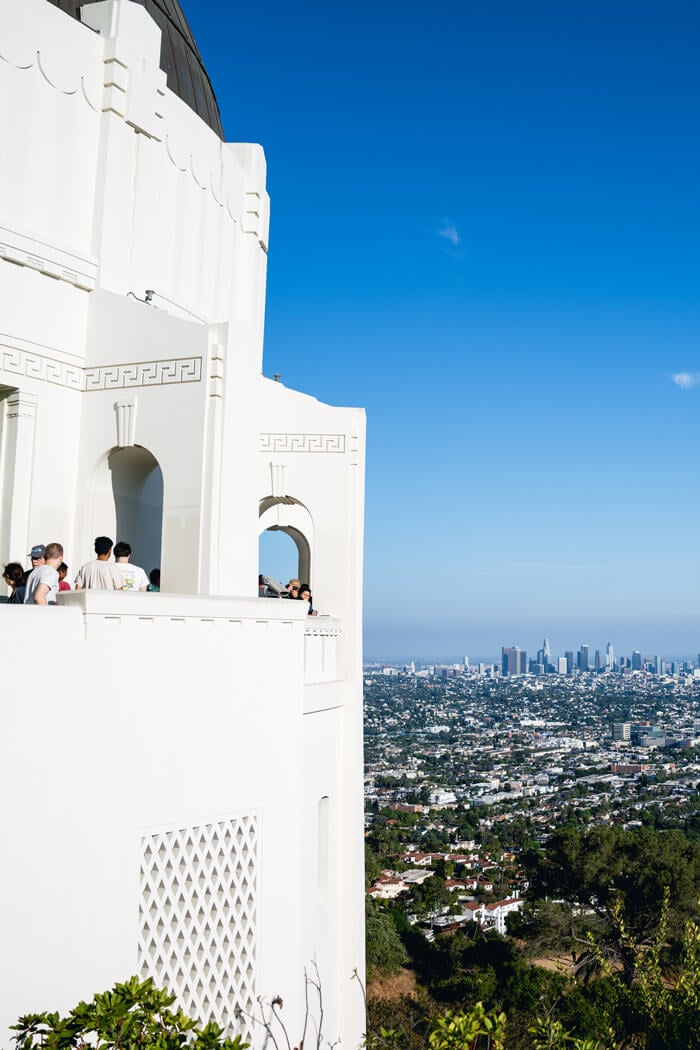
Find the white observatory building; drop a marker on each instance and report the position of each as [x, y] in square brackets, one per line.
[181, 773]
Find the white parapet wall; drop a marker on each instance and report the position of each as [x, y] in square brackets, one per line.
[153, 785]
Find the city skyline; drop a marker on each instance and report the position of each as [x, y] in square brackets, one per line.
[495, 658]
[484, 229]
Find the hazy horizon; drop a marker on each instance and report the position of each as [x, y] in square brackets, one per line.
[425, 645]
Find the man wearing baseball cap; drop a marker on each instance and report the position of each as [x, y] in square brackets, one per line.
[42, 583]
[38, 556]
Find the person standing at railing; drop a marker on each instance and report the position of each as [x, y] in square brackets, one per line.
[100, 574]
[13, 575]
[42, 586]
[133, 576]
[305, 596]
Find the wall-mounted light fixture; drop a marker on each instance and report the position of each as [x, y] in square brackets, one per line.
[147, 297]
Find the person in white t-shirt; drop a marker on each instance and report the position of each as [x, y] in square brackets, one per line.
[134, 577]
[42, 585]
[100, 574]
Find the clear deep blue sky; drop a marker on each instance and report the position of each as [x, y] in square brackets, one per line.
[486, 230]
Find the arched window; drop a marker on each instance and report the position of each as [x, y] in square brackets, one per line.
[286, 515]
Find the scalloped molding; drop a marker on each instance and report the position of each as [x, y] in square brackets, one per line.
[213, 167]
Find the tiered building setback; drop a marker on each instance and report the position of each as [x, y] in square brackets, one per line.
[181, 775]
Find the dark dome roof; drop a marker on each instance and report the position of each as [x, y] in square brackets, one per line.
[179, 58]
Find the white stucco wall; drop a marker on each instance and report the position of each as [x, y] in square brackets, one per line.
[164, 712]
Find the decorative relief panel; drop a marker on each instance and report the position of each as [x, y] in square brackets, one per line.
[302, 442]
[146, 373]
[125, 412]
[108, 377]
[216, 370]
[198, 917]
[36, 366]
[21, 406]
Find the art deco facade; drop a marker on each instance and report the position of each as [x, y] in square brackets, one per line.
[181, 775]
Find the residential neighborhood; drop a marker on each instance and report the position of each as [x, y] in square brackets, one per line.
[464, 772]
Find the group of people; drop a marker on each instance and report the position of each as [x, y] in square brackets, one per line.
[41, 584]
[294, 589]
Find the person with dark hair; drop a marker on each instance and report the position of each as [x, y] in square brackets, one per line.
[100, 574]
[304, 595]
[42, 587]
[133, 576]
[154, 577]
[13, 575]
[63, 584]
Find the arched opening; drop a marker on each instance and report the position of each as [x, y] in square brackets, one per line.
[137, 488]
[126, 503]
[283, 553]
[286, 538]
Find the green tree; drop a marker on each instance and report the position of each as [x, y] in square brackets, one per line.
[132, 1016]
[432, 895]
[552, 927]
[385, 952]
[373, 866]
[621, 877]
[661, 1008]
[468, 1030]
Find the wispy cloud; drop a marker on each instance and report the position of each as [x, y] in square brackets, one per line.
[449, 232]
[686, 379]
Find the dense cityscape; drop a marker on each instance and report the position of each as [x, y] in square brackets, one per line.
[504, 803]
[611, 742]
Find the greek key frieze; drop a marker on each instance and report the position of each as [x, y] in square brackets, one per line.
[37, 366]
[302, 442]
[31, 365]
[147, 373]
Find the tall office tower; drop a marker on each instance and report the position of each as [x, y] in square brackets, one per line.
[513, 660]
[657, 665]
[562, 665]
[598, 660]
[583, 658]
[547, 653]
[219, 817]
[621, 730]
[466, 663]
[636, 660]
[609, 657]
[569, 657]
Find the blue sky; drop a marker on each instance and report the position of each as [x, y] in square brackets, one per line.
[486, 230]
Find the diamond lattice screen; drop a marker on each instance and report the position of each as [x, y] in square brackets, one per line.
[197, 918]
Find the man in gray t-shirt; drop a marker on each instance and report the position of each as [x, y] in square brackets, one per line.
[42, 585]
[100, 574]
